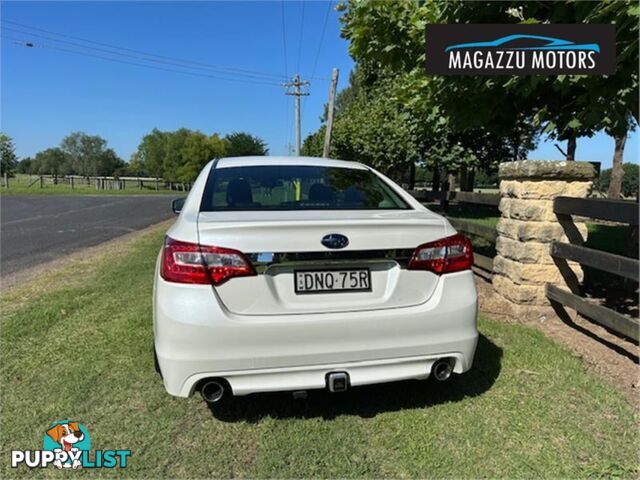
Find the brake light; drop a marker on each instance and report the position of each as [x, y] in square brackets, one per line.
[184, 262]
[450, 254]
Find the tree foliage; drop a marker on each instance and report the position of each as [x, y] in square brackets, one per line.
[629, 180]
[313, 144]
[177, 156]
[88, 155]
[387, 38]
[78, 154]
[8, 158]
[375, 129]
[387, 41]
[567, 106]
[480, 120]
[240, 144]
[370, 126]
[52, 161]
[25, 166]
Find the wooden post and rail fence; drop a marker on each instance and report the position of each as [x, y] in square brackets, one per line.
[540, 238]
[99, 182]
[619, 211]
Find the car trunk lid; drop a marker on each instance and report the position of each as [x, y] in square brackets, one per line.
[281, 243]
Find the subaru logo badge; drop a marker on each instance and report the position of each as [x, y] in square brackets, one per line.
[335, 241]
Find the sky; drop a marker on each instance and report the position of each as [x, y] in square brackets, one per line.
[48, 91]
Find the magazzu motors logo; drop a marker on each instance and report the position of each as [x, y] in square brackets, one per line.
[514, 49]
[67, 444]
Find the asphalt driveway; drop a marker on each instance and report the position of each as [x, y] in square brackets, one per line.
[36, 229]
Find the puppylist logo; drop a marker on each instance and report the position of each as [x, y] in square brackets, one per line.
[67, 444]
[513, 49]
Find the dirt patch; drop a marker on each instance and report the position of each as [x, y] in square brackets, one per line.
[612, 357]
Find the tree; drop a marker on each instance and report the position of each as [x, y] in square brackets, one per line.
[173, 159]
[108, 163]
[135, 167]
[629, 180]
[616, 97]
[25, 166]
[377, 130]
[240, 144]
[177, 156]
[51, 161]
[378, 125]
[387, 41]
[8, 159]
[88, 155]
[569, 106]
[197, 150]
[387, 37]
[151, 152]
[314, 143]
[78, 154]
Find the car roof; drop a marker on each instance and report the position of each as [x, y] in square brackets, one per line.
[229, 162]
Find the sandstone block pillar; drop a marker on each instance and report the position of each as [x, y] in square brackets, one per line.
[523, 264]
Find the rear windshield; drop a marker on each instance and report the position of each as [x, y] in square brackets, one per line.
[292, 187]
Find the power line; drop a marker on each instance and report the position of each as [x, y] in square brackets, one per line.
[315, 63]
[324, 28]
[136, 57]
[284, 39]
[29, 44]
[184, 63]
[287, 128]
[300, 107]
[178, 63]
[192, 62]
[300, 41]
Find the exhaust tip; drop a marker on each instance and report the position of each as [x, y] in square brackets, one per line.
[212, 391]
[442, 369]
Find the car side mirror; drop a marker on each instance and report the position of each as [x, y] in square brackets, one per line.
[177, 204]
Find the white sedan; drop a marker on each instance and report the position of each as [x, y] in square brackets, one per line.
[296, 273]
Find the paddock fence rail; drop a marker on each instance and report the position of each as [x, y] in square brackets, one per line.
[619, 211]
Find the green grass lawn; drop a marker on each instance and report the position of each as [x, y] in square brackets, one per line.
[76, 343]
[20, 185]
[487, 216]
[608, 238]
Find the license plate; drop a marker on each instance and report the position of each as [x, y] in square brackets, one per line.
[328, 281]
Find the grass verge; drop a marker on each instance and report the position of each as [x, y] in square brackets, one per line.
[81, 348]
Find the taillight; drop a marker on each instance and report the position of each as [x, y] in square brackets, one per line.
[184, 262]
[450, 254]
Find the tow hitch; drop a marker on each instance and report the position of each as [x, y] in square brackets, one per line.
[338, 381]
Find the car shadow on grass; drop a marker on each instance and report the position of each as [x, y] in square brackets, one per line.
[368, 401]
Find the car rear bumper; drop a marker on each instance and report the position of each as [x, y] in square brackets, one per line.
[196, 338]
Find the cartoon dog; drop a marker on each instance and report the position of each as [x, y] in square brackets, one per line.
[66, 434]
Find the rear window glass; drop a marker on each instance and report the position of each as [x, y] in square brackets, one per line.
[293, 187]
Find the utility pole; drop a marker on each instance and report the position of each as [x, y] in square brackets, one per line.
[296, 84]
[332, 98]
